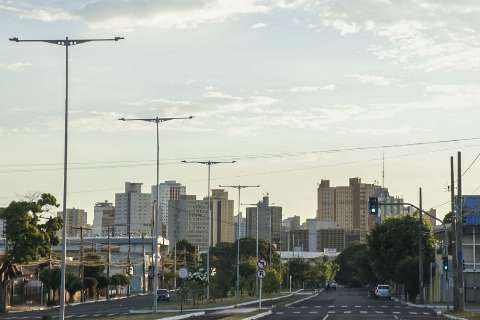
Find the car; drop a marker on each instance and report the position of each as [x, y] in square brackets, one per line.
[383, 291]
[163, 295]
[333, 285]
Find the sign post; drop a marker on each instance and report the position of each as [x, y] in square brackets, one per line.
[261, 264]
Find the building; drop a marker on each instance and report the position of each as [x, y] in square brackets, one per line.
[75, 219]
[243, 227]
[347, 206]
[169, 190]
[103, 217]
[222, 217]
[269, 222]
[324, 236]
[2, 225]
[133, 210]
[291, 223]
[188, 220]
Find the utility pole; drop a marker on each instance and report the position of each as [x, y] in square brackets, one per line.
[64, 43]
[157, 121]
[239, 219]
[420, 250]
[81, 269]
[175, 265]
[209, 164]
[144, 287]
[454, 236]
[128, 260]
[460, 281]
[108, 262]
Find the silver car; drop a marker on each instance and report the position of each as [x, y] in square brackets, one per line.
[383, 291]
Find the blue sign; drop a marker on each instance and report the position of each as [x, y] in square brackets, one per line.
[471, 220]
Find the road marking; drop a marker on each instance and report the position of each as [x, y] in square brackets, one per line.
[396, 312]
[396, 317]
[344, 306]
[111, 314]
[279, 312]
[313, 312]
[318, 306]
[296, 312]
[326, 317]
[379, 312]
[82, 316]
[426, 313]
[347, 311]
[357, 306]
[412, 312]
[363, 312]
[331, 306]
[303, 307]
[331, 311]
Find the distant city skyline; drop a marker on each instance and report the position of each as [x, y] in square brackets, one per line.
[261, 77]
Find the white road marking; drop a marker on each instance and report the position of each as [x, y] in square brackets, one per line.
[331, 306]
[313, 312]
[426, 313]
[396, 312]
[326, 317]
[357, 306]
[344, 306]
[331, 311]
[347, 311]
[318, 306]
[412, 312]
[395, 317]
[296, 312]
[363, 312]
[279, 312]
[379, 312]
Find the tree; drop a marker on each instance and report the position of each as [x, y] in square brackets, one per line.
[406, 274]
[272, 281]
[395, 239]
[355, 266]
[27, 238]
[102, 283]
[448, 218]
[119, 280]
[298, 268]
[73, 284]
[91, 284]
[51, 281]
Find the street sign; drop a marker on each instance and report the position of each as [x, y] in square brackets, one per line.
[261, 264]
[261, 273]
[183, 273]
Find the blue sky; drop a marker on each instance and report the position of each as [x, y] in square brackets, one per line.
[260, 77]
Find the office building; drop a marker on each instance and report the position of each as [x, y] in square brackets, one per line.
[269, 222]
[222, 217]
[133, 210]
[243, 227]
[347, 206]
[75, 219]
[103, 217]
[291, 223]
[169, 190]
[188, 220]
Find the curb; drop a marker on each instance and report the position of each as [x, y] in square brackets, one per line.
[231, 306]
[303, 299]
[184, 316]
[449, 316]
[257, 316]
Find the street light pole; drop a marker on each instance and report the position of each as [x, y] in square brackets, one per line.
[65, 43]
[155, 120]
[256, 205]
[239, 217]
[209, 163]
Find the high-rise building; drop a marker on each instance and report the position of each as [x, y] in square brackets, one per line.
[188, 220]
[75, 218]
[243, 227]
[291, 223]
[133, 210]
[269, 222]
[347, 206]
[222, 217]
[2, 225]
[169, 190]
[102, 214]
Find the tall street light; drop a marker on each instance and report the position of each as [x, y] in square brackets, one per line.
[209, 163]
[239, 187]
[256, 206]
[155, 120]
[65, 43]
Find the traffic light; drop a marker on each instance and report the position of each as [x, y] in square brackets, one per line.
[445, 264]
[373, 206]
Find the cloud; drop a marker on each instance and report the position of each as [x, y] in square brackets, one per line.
[16, 66]
[258, 25]
[371, 79]
[330, 87]
[35, 11]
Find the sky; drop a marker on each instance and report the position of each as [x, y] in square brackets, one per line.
[271, 84]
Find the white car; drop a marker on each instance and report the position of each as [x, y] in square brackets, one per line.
[383, 291]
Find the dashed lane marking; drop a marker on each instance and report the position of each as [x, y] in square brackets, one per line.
[347, 311]
[313, 312]
[363, 312]
[296, 312]
[412, 312]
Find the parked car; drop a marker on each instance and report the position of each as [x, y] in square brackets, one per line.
[383, 291]
[163, 295]
[333, 285]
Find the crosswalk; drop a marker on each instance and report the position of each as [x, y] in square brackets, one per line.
[69, 316]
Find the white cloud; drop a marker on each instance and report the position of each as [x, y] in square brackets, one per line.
[371, 79]
[16, 66]
[258, 25]
[330, 87]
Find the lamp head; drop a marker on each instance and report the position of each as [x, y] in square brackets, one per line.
[14, 39]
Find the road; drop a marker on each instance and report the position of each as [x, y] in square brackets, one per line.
[354, 304]
[88, 310]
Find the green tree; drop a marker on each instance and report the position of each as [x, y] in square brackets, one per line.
[396, 239]
[355, 266]
[27, 238]
[119, 280]
[72, 284]
[91, 284]
[51, 280]
[406, 274]
[448, 218]
[272, 280]
[297, 268]
[102, 284]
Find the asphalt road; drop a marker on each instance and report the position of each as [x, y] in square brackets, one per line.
[88, 310]
[352, 304]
